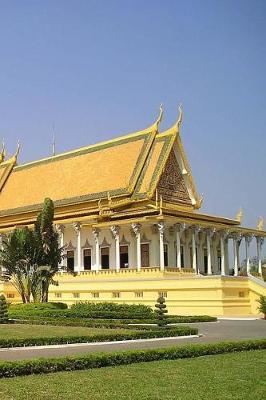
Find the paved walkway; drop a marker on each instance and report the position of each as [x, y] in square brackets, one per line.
[211, 332]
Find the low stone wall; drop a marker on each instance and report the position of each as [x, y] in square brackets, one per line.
[186, 294]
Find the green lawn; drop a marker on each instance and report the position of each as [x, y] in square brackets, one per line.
[19, 331]
[236, 376]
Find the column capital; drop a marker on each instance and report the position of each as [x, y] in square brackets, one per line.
[180, 227]
[237, 236]
[96, 232]
[77, 227]
[260, 240]
[115, 231]
[248, 238]
[224, 233]
[210, 232]
[136, 228]
[60, 228]
[161, 227]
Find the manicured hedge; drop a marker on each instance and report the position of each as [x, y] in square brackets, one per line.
[85, 310]
[143, 334]
[88, 361]
[35, 307]
[111, 310]
[107, 323]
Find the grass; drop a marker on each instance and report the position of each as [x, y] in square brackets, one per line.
[238, 376]
[20, 331]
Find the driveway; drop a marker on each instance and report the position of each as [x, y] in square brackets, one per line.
[211, 332]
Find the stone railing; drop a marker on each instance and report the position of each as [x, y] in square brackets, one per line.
[131, 271]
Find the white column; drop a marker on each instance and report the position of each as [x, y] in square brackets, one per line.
[77, 227]
[137, 230]
[209, 235]
[179, 230]
[95, 233]
[161, 237]
[194, 255]
[248, 239]
[60, 230]
[235, 256]
[260, 241]
[222, 253]
[115, 232]
[178, 249]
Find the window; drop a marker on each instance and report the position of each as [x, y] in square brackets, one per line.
[10, 295]
[182, 257]
[58, 295]
[70, 260]
[105, 259]
[138, 295]
[145, 254]
[87, 259]
[95, 295]
[76, 295]
[165, 254]
[124, 256]
[163, 294]
[219, 259]
[116, 295]
[205, 261]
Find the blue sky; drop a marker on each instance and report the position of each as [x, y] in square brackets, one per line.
[99, 69]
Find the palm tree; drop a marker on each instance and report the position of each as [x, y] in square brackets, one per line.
[30, 258]
[17, 260]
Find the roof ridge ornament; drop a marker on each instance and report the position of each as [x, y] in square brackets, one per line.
[239, 215]
[260, 225]
[3, 152]
[180, 117]
[159, 118]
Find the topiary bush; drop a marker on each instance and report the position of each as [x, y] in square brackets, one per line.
[262, 305]
[3, 310]
[161, 311]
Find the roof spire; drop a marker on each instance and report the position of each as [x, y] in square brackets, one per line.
[159, 118]
[260, 226]
[180, 117]
[239, 215]
[15, 156]
[53, 146]
[3, 151]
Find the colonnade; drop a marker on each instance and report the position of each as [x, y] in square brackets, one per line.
[207, 248]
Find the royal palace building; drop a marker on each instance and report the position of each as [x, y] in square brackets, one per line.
[128, 215]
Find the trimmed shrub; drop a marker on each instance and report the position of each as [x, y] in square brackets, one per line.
[38, 366]
[105, 323]
[31, 307]
[111, 310]
[3, 310]
[161, 311]
[112, 337]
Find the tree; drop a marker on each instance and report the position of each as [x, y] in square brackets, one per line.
[3, 310]
[18, 261]
[262, 305]
[161, 311]
[50, 255]
[30, 258]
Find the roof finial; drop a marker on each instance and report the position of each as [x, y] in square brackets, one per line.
[160, 116]
[18, 150]
[239, 215]
[180, 117]
[3, 151]
[260, 226]
[53, 146]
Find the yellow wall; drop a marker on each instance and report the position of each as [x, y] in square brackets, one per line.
[187, 294]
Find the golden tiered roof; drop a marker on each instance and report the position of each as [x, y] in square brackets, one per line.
[141, 174]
